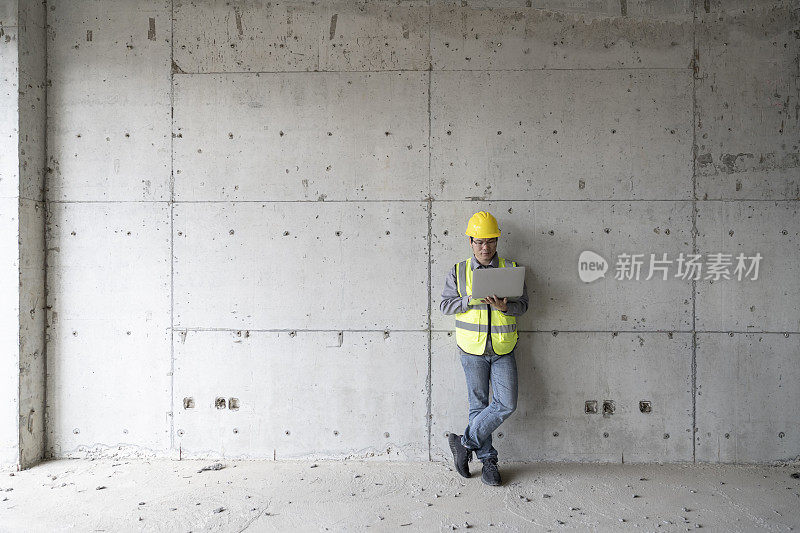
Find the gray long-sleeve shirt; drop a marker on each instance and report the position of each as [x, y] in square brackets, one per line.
[452, 303]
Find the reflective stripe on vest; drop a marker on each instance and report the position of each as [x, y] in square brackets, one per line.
[472, 326]
[508, 328]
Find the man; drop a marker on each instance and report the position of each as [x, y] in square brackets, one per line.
[484, 356]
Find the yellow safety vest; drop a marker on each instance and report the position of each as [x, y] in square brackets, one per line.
[473, 325]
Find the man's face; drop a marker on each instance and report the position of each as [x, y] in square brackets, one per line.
[484, 249]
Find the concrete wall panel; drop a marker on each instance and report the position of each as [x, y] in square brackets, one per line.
[108, 327]
[768, 303]
[330, 35]
[548, 237]
[598, 36]
[746, 397]
[31, 332]
[22, 121]
[309, 394]
[109, 100]
[301, 265]
[747, 101]
[598, 8]
[557, 135]
[9, 332]
[557, 374]
[32, 110]
[301, 136]
[9, 112]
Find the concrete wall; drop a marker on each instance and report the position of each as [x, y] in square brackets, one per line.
[22, 216]
[109, 226]
[9, 235]
[253, 207]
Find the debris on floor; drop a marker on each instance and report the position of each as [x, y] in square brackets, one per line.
[215, 466]
[419, 496]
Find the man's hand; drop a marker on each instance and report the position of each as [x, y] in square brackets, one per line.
[497, 303]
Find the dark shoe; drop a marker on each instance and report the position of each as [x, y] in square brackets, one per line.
[490, 474]
[461, 454]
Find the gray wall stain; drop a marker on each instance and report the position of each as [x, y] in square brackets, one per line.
[238, 21]
[332, 33]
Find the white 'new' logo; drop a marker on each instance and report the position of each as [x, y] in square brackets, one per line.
[591, 266]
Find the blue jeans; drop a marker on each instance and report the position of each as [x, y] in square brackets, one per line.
[485, 417]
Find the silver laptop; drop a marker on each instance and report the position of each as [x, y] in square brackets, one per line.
[504, 282]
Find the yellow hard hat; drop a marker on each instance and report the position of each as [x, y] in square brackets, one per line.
[483, 225]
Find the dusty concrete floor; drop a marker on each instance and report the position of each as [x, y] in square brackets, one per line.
[164, 495]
